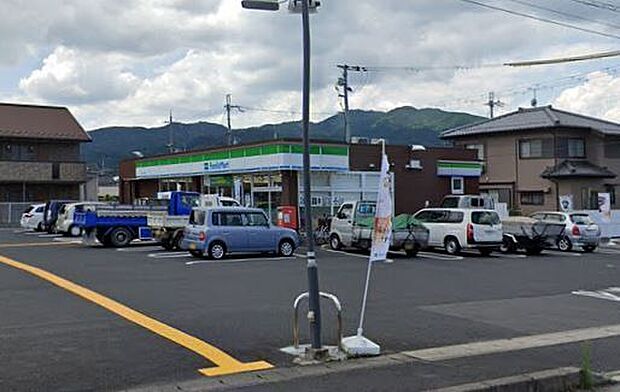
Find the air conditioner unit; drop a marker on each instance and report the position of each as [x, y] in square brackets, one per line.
[414, 164]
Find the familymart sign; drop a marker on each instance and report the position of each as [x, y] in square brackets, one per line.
[244, 160]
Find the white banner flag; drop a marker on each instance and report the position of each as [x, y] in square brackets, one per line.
[382, 230]
[604, 206]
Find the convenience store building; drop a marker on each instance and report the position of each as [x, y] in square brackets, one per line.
[267, 175]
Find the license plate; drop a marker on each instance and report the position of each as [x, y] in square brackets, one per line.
[192, 246]
[591, 229]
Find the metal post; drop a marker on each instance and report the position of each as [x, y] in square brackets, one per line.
[314, 303]
[347, 128]
[228, 107]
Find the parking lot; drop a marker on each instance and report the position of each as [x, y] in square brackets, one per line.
[94, 318]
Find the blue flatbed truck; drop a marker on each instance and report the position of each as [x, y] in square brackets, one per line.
[118, 225]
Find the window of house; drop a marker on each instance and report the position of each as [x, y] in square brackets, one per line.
[479, 148]
[533, 198]
[571, 147]
[457, 185]
[536, 148]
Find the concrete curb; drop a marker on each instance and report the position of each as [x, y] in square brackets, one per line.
[553, 380]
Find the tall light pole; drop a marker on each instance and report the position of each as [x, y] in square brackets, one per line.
[314, 305]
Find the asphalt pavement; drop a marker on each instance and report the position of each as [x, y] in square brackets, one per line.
[127, 323]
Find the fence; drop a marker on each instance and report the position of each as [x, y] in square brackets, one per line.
[11, 213]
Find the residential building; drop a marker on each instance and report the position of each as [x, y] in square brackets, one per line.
[533, 156]
[268, 174]
[40, 153]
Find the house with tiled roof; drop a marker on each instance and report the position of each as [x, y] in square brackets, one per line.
[40, 153]
[534, 156]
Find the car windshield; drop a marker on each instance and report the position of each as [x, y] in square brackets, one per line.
[581, 219]
[485, 218]
[450, 202]
[29, 209]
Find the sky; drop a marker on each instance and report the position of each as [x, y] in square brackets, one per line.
[130, 62]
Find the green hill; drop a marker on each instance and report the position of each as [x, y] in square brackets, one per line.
[405, 125]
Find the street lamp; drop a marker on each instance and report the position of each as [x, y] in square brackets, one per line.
[305, 7]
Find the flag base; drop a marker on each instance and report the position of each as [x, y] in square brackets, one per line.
[359, 346]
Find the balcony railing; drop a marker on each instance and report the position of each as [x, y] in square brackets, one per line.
[27, 171]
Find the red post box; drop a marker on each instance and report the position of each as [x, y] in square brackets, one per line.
[287, 217]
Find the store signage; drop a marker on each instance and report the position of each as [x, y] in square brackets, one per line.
[217, 165]
[245, 159]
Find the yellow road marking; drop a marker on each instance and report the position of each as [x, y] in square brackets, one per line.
[225, 363]
[29, 244]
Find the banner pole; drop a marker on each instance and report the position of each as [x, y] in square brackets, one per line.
[360, 329]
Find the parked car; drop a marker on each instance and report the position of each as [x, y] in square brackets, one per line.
[50, 215]
[168, 228]
[580, 230]
[65, 223]
[32, 218]
[352, 226]
[468, 201]
[216, 232]
[455, 229]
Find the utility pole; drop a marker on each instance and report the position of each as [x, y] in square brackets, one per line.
[492, 104]
[229, 107]
[343, 82]
[170, 134]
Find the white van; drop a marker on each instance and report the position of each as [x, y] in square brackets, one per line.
[456, 229]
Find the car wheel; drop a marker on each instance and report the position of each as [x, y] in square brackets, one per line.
[508, 246]
[564, 244]
[167, 243]
[178, 239]
[120, 237]
[196, 253]
[217, 251]
[589, 248]
[452, 246]
[334, 242]
[413, 252]
[485, 252]
[39, 227]
[75, 231]
[286, 248]
[533, 250]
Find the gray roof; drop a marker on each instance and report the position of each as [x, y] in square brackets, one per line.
[534, 118]
[577, 169]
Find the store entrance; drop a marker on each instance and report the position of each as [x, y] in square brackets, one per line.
[266, 193]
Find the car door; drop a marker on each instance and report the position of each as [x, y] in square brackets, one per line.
[487, 226]
[342, 223]
[261, 237]
[234, 231]
[431, 219]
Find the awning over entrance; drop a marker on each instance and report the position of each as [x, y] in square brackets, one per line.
[576, 169]
[447, 168]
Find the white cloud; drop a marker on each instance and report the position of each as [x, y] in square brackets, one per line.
[79, 78]
[127, 62]
[599, 96]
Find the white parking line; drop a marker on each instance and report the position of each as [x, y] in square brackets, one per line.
[140, 249]
[29, 233]
[353, 254]
[435, 256]
[608, 251]
[169, 255]
[50, 235]
[232, 261]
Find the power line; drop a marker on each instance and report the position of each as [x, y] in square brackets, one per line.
[567, 14]
[289, 112]
[541, 19]
[599, 4]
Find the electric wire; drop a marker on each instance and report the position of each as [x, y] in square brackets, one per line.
[541, 19]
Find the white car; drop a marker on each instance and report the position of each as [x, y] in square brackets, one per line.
[64, 223]
[32, 218]
[456, 229]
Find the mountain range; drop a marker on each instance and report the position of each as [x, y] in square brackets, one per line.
[404, 125]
